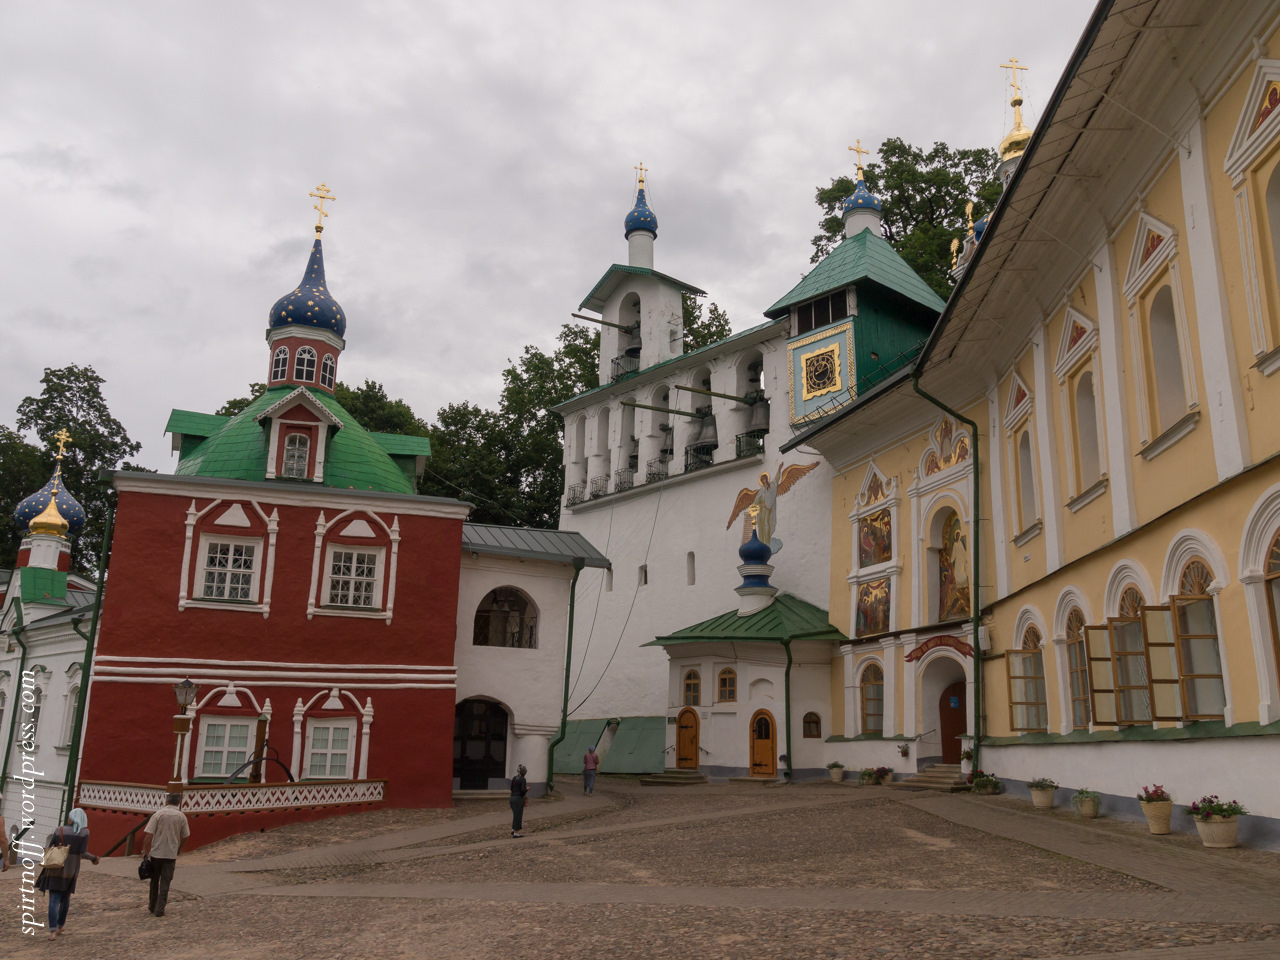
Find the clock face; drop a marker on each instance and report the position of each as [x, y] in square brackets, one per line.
[821, 373]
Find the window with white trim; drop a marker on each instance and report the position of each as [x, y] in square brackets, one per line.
[230, 570]
[1028, 709]
[328, 370]
[1166, 360]
[224, 745]
[280, 364]
[297, 454]
[1087, 447]
[330, 749]
[304, 365]
[1026, 483]
[355, 577]
[69, 718]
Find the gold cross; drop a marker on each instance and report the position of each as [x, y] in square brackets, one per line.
[640, 167]
[63, 439]
[322, 194]
[859, 152]
[1015, 67]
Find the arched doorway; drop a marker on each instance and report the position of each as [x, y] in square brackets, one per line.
[687, 740]
[479, 743]
[764, 745]
[944, 710]
[952, 721]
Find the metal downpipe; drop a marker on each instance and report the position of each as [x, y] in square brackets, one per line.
[578, 564]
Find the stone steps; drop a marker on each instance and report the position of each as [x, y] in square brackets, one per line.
[943, 777]
[674, 778]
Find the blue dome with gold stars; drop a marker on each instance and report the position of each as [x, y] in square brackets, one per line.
[640, 217]
[862, 199]
[980, 227]
[36, 504]
[310, 304]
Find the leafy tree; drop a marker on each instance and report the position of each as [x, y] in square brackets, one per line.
[923, 196]
[72, 400]
[699, 332]
[23, 470]
[233, 407]
[377, 412]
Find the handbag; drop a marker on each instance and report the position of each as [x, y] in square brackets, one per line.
[55, 857]
[144, 868]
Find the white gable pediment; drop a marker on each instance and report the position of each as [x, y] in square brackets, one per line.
[876, 488]
[233, 516]
[358, 528]
[1258, 123]
[1019, 404]
[1154, 243]
[1079, 337]
[300, 396]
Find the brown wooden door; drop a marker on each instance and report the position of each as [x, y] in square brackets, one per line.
[951, 721]
[764, 745]
[687, 740]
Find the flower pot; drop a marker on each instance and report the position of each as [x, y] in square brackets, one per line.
[1042, 797]
[837, 774]
[1087, 807]
[1157, 813]
[1218, 831]
[986, 790]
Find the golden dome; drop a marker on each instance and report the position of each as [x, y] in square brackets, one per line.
[49, 521]
[1016, 140]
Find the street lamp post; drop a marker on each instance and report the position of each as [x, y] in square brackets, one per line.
[186, 693]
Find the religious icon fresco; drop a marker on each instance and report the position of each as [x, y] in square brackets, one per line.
[953, 570]
[873, 608]
[874, 539]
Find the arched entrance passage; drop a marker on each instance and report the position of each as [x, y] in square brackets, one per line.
[687, 740]
[479, 743]
[944, 707]
[764, 745]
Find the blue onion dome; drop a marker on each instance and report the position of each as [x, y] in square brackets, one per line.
[861, 199]
[640, 217]
[980, 227]
[34, 515]
[310, 304]
[753, 551]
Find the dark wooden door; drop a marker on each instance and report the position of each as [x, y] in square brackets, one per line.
[479, 743]
[764, 745]
[687, 740]
[952, 714]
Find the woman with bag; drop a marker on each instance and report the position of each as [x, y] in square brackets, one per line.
[519, 800]
[59, 881]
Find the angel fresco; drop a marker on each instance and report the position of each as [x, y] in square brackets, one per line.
[766, 499]
[953, 570]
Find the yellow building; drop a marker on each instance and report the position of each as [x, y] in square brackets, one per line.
[1114, 338]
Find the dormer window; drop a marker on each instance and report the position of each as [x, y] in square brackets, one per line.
[280, 364]
[327, 371]
[820, 312]
[297, 451]
[304, 366]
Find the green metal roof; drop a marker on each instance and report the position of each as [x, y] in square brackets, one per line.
[192, 424]
[237, 449]
[40, 585]
[604, 288]
[865, 256]
[560, 546]
[403, 445]
[787, 618]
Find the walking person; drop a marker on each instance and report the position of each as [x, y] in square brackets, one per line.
[590, 764]
[519, 799]
[60, 884]
[167, 830]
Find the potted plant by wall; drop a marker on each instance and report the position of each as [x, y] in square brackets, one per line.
[1216, 820]
[984, 783]
[836, 769]
[1157, 807]
[1042, 792]
[884, 775]
[966, 760]
[867, 776]
[1086, 802]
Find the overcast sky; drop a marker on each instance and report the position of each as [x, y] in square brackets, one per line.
[155, 161]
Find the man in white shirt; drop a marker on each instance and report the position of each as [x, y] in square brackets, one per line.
[166, 831]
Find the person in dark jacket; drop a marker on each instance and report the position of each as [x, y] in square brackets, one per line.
[519, 790]
[61, 884]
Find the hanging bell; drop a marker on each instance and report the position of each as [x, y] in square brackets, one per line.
[759, 416]
[707, 435]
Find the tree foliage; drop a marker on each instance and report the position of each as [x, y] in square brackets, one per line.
[23, 471]
[923, 196]
[233, 407]
[377, 412]
[699, 332]
[71, 399]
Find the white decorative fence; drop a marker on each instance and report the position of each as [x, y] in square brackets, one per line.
[232, 798]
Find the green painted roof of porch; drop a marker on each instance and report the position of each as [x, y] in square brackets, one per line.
[787, 618]
[595, 300]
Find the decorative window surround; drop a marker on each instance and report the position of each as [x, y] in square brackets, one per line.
[299, 396]
[266, 577]
[1029, 534]
[1140, 339]
[1252, 285]
[280, 364]
[952, 485]
[358, 581]
[878, 493]
[1088, 495]
[1019, 404]
[1171, 436]
[1254, 131]
[332, 694]
[219, 741]
[1269, 362]
[386, 572]
[1079, 338]
[1155, 243]
[328, 739]
[233, 582]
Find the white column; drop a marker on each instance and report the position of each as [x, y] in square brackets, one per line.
[1114, 402]
[890, 704]
[295, 760]
[528, 745]
[367, 719]
[995, 477]
[1050, 492]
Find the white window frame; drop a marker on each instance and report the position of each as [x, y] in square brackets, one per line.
[328, 371]
[250, 723]
[305, 361]
[330, 723]
[379, 554]
[280, 364]
[304, 442]
[202, 566]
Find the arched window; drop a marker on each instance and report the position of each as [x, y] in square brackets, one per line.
[1199, 656]
[1026, 482]
[728, 685]
[280, 364]
[1132, 677]
[327, 370]
[692, 689]
[506, 617]
[952, 547]
[297, 451]
[1166, 361]
[1273, 588]
[304, 365]
[812, 725]
[1078, 670]
[1027, 707]
[1087, 431]
[1131, 602]
[873, 699]
[69, 721]
[1273, 218]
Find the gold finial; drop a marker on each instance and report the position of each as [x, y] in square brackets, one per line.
[753, 511]
[640, 169]
[1014, 67]
[1016, 140]
[955, 251]
[63, 439]
[968, 215]
[858, 151]
[321, 193]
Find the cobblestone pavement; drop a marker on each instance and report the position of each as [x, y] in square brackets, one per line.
[716, 871]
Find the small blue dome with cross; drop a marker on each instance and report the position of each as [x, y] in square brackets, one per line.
[980, 227]
[310, 304]
[861, 199]
[38, 502]
[640, 217]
